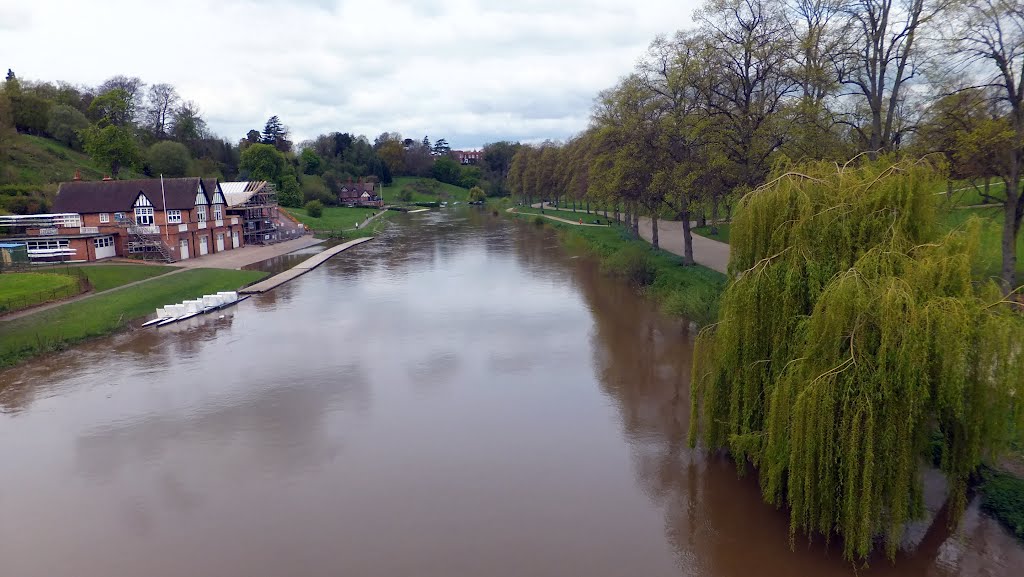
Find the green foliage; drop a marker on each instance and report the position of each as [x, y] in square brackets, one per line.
[850, 332]
[262, 162]
[310, 162]
[633, 263]
[31, 113]
[313, 188]
[171, 159]
[57, 328]
[65, 125]
[477, 194]
[113, 146]
[445, 169]
[405, 194]
[113, 107]
[315, 208]
[1003, 498]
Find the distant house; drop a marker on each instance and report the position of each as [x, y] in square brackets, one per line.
[468, 156]
[359, 193]
[176, 219]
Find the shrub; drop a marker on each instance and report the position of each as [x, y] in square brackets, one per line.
[1003, 498]
[405, 194]
[632, 262]
[169, 158]
[315, 208]
[538, 220]
[64, 124]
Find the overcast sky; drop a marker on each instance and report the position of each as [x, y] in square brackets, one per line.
[470, 71]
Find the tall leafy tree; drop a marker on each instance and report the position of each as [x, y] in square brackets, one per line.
[111, 145]
[158, 116]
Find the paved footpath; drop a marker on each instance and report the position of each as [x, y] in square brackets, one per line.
[706, 252]
[249, 254]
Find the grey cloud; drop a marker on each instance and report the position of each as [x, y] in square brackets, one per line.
[469, 71]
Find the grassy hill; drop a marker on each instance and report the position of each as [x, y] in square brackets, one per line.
[37, 160]
[423, 190]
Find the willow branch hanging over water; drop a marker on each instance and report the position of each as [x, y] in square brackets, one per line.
[851, 337]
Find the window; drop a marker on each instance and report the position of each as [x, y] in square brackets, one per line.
[144, 215]
[201, 213]
[103, 241]
[118, 216]
[47, 245]
[104, 217]
[218, 212]
[174, 217]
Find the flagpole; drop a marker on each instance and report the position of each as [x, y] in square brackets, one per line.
[163, 198]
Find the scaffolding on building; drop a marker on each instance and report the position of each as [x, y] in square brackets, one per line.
[256, 203]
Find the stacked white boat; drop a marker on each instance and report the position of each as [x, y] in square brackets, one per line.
[190, 308]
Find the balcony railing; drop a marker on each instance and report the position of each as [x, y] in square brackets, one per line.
[143, 229]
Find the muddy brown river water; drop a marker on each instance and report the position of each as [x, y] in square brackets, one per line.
[458, 398]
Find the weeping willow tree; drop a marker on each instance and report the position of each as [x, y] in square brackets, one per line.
[852, 339]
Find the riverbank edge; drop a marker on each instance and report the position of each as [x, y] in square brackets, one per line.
[72, 323]
[691, 292]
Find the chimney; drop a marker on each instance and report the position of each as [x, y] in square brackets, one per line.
[78, 175]
[106, 178]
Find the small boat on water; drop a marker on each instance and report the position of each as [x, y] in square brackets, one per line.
[187, 309]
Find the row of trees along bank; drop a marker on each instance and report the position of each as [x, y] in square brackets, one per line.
[708, 112]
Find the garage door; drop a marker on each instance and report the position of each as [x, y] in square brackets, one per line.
[104, 247]
[220, 241]
[234, 239]
[204, 245]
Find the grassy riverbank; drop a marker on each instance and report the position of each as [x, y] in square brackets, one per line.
[57, 328]
[687, 291]
[21, 290]
[107, 276]
[341, 221]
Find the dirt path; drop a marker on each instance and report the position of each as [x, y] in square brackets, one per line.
[559, 219]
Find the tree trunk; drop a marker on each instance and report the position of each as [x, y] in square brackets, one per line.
[588, 206]
[616, 212]
[687, 239]
[654, 231]
[1011, 226]
[702, 219]
[949, 188]
[714, 215]
[635, 226]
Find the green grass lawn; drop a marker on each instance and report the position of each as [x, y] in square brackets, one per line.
[38, 160]
[57, 328]
[722, 236]
[991, 247]
[444, 191]
[108, 276]
[20, 290]
[566, 214]
[334, 217]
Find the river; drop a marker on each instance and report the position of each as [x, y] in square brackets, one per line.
[458, 398]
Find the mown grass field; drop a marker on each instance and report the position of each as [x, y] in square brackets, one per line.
[444, 191]
[722, 236]
[107, 276]
[991, 241]
[57, 328]
[21, 290]
[592, 218]
[335, 218]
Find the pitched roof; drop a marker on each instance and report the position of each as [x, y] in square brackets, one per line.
[237, 193]
[90, 196]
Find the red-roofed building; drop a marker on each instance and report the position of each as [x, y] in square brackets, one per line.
[468, 156]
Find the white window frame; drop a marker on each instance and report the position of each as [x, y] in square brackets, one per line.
[103, 241]
[104, 217]
[218, 212]
[49, 244]
[201, 213]
[173, 217]
[119, 216]
[144, 215]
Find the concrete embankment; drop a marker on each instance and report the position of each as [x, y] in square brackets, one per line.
[301, 268]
